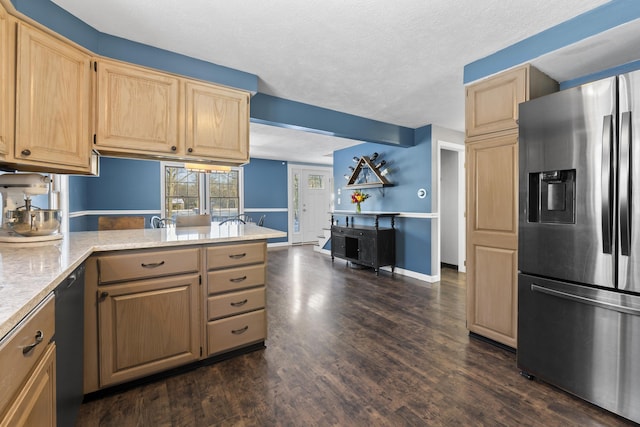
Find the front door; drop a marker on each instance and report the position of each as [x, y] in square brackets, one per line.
[310, 202]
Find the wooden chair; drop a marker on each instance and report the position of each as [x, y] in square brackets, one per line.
[193, 220]
[120, 222]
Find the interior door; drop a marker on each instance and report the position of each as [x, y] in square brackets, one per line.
[311, 203]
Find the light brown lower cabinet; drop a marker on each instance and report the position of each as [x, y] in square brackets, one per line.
[492, 233]
[35, 406]
[147, 311]
[28, 371]
[147, 326]
[235, 296]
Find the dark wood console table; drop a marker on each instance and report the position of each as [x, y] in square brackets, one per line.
[373, 246]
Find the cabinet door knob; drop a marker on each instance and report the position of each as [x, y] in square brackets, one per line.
[103, 295]
[174, 148]
[26, 152]
[38, 339]
[190, 150]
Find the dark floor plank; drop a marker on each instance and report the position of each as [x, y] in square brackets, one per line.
[347, 348]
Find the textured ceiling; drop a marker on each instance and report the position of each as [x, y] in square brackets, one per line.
[398, 62]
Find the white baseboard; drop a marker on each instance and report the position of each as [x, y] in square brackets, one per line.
[321, 250]
[277, 244]
[413, 274]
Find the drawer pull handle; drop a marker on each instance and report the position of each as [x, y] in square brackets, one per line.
[39, 338]
[239, 303]
[238, 279]
[240, 331]
[238, 256]
[152, 264]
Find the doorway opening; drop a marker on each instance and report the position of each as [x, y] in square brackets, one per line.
[448, 247]
[310, 202]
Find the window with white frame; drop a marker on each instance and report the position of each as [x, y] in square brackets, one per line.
[192, 192]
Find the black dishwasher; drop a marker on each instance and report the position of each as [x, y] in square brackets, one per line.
[69, 347]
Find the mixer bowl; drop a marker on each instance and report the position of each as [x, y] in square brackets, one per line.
[34, 222]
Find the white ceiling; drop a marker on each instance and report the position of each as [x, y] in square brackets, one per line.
[398, 62]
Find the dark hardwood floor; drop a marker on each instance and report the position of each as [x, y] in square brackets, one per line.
[347, 348]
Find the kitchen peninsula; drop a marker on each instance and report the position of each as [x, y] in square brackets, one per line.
[154, 299]
[29, 273]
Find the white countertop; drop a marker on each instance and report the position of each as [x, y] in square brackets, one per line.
[28, 273]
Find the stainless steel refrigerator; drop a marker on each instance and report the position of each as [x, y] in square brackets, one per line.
[579, 242]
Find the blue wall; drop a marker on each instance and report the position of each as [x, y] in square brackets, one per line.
[123, 184]
[268, 109]
[134, 185]
[265, 187]
[409, 170]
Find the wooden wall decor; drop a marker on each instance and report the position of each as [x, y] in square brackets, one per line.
[366, 162]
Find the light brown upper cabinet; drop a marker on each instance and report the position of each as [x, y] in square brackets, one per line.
[6, 86]
[217, 122]
[492, 199]
[137, 110]
[492, 104]
[58, 103]
[148, 113]
[53, 96]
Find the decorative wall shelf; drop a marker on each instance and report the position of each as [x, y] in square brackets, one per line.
[366, 163]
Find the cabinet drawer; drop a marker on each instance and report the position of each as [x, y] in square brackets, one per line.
[235, 302]
[356, 232]
[236, 331]
[232, 255]
[233, 279]
[16, 365]
[140, 265]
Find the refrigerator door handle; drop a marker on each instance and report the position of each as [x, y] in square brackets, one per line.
[585, 300]
[606, 182]
[624, 184]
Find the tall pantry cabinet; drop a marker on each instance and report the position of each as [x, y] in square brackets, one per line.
[492, 198]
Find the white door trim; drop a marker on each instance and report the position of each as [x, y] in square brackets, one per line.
[436, 223]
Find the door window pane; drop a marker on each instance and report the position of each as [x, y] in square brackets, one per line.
[315, 182]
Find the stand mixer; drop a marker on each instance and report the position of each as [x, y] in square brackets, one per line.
[22, 222]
